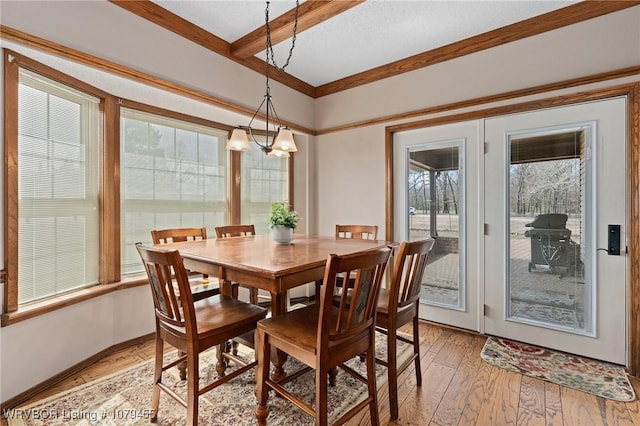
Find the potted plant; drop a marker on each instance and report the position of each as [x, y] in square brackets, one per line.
[283, 221]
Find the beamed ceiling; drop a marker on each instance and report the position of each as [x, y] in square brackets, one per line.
[347, 43]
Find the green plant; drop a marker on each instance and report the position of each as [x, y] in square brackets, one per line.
[281, 214]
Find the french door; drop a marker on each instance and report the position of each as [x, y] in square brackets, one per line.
[438, 197]
[525, 209]
[555, 193]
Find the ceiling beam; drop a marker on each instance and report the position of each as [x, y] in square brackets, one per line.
[569, 15]
[310, 13]
[150, 11]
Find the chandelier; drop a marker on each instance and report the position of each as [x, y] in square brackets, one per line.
[278, 138]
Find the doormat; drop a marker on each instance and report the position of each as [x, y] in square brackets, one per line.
[586, 375]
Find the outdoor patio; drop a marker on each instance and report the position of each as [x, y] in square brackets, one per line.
[553, 297]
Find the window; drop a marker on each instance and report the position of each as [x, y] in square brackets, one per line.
[265, 180]
[58, 146]
[173, 174]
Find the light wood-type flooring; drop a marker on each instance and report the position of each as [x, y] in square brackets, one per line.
[458, 388]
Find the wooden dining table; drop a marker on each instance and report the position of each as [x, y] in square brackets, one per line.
[259, 262]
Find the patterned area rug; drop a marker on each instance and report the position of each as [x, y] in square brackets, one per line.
[124, 398]
[586, 375]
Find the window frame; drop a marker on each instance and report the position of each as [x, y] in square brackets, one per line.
[109, 275]
[150, 109]
[12, 64]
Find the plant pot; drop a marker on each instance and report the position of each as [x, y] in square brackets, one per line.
[282, 234]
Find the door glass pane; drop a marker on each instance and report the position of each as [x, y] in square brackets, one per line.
[548, 189]
[435, 210]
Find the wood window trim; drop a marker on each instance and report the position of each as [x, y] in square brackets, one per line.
[632, 92]
[62, 301]
[12, 63]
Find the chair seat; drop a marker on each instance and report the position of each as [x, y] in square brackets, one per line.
[300, 329]
[236, 315]
[235, 312]
[299, 325]
[383, 305]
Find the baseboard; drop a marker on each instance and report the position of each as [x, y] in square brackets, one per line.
[41, 387]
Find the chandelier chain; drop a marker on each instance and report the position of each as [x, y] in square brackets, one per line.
[278, 142]
[270, 55]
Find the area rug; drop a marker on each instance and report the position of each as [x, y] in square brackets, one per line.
[124, 398]
[586, 375]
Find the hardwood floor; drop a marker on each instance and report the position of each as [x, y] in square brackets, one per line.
[458, 388]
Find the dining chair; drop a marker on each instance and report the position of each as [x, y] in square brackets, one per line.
[229, 231]
[191, 327]
[200, 289]
[357, 232]
[398, 306]
[323, 336]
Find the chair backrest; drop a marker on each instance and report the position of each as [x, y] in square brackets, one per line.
[360, 232]
[357, 308]
[174, 235]
[170, 288]
[235, 231]
[410, 262]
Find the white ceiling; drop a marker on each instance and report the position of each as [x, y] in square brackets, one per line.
[371, 34]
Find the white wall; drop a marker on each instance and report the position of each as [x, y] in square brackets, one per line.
[351, 179]
[35, 350]
[339, 177]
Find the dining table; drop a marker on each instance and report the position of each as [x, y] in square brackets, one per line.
[260, 262]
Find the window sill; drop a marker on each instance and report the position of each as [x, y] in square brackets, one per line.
[39, 308]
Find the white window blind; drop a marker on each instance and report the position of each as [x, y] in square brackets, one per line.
[265, 180]
[58, 146]
[173, 175]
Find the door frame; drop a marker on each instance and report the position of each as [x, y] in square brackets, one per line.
[632, 93]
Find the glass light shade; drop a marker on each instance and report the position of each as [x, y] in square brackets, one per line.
[278, 153]
[284, 141]
[239, 141]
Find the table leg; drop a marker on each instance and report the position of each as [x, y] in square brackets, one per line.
[278, 358]
[221, 365]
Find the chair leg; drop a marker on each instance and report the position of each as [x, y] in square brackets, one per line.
[333, 375]
[182, 367]
[235, 294]
[157, 378]
[221, 365]
[263, 353]
[392, 371]
[322, 396]
[318, 290]
[193, 377]
[371, 381]
[416, 349]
